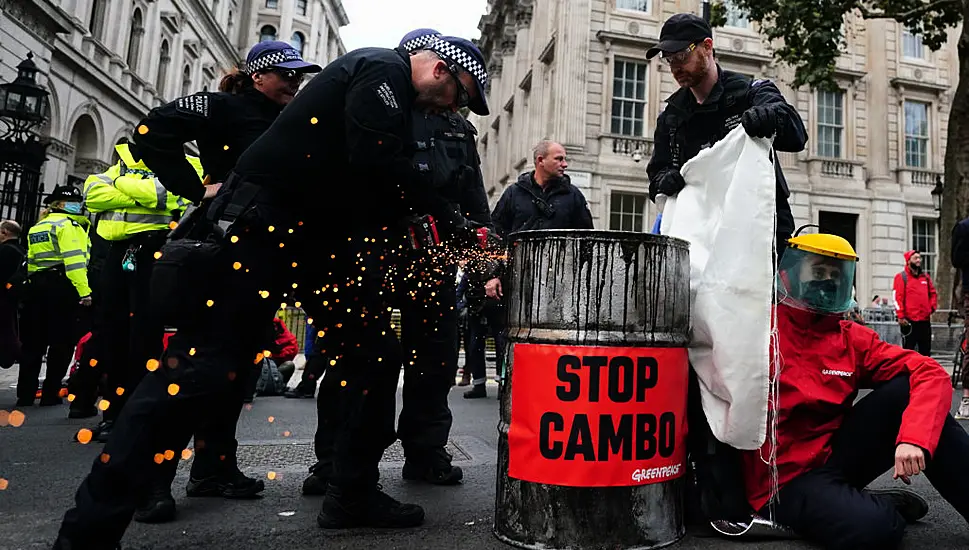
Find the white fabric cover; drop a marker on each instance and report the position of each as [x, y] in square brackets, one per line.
[726, 212]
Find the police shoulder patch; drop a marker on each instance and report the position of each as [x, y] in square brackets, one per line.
[197, 105]
[759, 82]
[387, 96]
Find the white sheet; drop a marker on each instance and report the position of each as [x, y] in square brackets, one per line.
[726, 212]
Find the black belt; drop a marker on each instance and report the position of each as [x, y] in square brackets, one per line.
[237, 195]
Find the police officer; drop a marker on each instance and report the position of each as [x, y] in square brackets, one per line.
[223, 124]
[710, 103]
[57, 255]
[447, 160]
[349, 124]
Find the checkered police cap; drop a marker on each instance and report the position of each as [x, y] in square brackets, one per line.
[468, 57]
[418, 39]
[276, 54]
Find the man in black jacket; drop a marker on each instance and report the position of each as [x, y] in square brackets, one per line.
[11, 277]
[541, 199]
[709, 104]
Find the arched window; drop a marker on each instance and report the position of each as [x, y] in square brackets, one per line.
[164, 61]
[298, 41]
[267, 33]
[134, 40]
[186, 81]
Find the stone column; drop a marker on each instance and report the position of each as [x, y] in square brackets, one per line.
[571, 60]
[287, 9]
[523, 61]
[879, 174]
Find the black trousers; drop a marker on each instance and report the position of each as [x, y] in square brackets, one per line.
[920, 338]
[489, 320]
[48, 324]
[202, 363]
[828, 505]
[85, 383]
[429, 338]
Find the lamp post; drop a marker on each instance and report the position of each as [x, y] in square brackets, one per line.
[24, 105]
[937, 199]
[706, 10]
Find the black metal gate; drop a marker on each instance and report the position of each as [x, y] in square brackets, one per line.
[21, 190]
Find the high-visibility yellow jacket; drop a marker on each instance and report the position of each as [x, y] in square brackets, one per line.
[60, 239]
[128, 199]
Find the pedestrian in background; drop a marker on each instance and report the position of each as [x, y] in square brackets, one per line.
[915, 302]
[12, 277]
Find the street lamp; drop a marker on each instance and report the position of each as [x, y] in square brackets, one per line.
[937, 195]
[24, 105]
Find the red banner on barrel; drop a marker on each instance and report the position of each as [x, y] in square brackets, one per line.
[584, 416]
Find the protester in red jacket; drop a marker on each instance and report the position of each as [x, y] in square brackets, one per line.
[829, 449]
[915, 302]
[286, 346]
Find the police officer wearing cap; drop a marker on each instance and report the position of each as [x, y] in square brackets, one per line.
[446, 158]
[57, 253]
[340, 147]
[710, 103]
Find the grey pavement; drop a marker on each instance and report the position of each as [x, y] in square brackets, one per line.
[43, 466]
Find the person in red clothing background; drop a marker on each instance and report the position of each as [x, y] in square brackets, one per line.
[827, 448]
[915, 302]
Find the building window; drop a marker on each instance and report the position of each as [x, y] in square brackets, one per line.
[96, 24]
[164, 61]
[628, 98]
[267, 33]
[272, 4]
[912, 47]
[626, 212]
[298, 41]
[924, 239]
[215, 9]
[735, 17]
[231, 23]
[830, 123]
[134, 40]
[186, 81]
[301, 7]
[916, 134]
[636, 5]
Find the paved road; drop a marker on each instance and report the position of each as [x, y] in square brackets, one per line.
[44, 466]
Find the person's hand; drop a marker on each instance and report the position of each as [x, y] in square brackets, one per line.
[669, 184]
[493, 288]
[909, 461]
[903, 323]
[211, 190]
[759, 122]
[85, 301]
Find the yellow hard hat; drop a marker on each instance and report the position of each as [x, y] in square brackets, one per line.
[824, 244]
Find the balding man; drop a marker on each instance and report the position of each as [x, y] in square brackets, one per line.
[541, 199]
[11, 276]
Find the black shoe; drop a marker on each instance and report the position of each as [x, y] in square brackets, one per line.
[476, 392]
[159, 507]
[82, 412]
[315, 484]
[102, 432]
[298, 393]
[234, 485]
[374, 508]
[910, 505]
[51, 401]
[25, 402]
[63, 543]
[435, 468]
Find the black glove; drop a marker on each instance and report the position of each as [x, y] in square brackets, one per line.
[669, 183]
[759, 121]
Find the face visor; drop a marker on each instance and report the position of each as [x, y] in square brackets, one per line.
[814, 282]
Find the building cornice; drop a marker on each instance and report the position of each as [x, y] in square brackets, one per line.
[69, 55]
[41, 17]
[609, 37]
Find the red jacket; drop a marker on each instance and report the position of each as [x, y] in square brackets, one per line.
[915, 297]
[824, 362]
[286, 345]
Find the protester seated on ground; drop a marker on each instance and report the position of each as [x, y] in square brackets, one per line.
[829, 448]
[271, 375]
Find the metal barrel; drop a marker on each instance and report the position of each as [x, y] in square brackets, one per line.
[580, 301]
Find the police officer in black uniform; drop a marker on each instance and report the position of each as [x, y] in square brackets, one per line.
[710, 103]
[349, 124]
[446, 158]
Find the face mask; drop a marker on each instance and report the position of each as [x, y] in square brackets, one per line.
[73, 208]
[821, 295]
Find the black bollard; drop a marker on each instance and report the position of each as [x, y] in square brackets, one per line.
[592, 436]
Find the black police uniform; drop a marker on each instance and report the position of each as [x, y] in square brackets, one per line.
[344, 135]
[684, 128]
[84, 383]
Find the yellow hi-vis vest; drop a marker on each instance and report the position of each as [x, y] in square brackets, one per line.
[60, 239]
[128, 199]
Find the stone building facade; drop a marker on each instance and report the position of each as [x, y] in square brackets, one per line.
[108, 62]
[576, 71]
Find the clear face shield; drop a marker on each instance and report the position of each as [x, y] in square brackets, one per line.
[814, 282]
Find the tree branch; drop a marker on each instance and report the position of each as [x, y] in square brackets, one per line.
[910, 14]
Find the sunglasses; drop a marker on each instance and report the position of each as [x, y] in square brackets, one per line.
[289, 75]
[680, 57]
[463, 96]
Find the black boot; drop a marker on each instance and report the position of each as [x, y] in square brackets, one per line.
[51, 401]
[25, 402]
[102, 431]
[434, 468]
[63, 543]
[316, 483]
[232, 485]
[159, 506]
[301, 391]
[476, 392]
[81, 411]
[366, 508]
[910, 505]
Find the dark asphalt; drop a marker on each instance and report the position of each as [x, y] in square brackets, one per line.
[43, 466]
